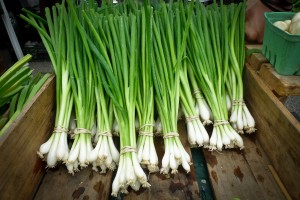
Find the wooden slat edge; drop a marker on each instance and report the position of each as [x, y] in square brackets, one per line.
[256, 60]
[282, 85]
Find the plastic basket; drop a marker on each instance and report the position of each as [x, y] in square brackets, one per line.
[281, 48]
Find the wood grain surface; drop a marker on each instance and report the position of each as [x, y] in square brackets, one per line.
[21, 170]
[242, 174]
[86, 184]
[255, 60]
[280, 85]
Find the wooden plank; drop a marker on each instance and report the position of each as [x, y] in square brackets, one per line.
[278, 130]
[21, 169]
[281, 85]
[86, 184]
[256, 59]
[180, 186]
[241, 174]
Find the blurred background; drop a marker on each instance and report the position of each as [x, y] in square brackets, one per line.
[27, 38]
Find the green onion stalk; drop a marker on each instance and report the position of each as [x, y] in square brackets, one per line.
[117, 51]
[166, 79]
[14, 79]
[22, 98]
[209, 62]
[202, 108]
[105, 155]
[158, 127]
[115, 128]
[12, 82]
[54, 35]
[145, 97]
[129, 171]
[197, 134]
[190, 85]
[241, 119]
[83, 76]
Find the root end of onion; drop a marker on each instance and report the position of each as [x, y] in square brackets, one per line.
[114, 194]
[40, 155]
[153, 168]
[212, 148]
[145, 162]
[146, 185]
[207, 122]
[250, 130]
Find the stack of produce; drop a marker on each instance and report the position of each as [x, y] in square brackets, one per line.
[117, 64]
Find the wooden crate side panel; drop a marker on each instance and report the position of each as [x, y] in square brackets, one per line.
[21, 169]
[278, 131]
[241, 174]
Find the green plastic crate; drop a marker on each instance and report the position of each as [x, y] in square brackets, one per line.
[279, 47]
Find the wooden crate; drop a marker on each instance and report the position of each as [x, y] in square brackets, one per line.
[246, 174]
[20, 168]
[256, 59]
[281, 86]
[234, 173]
[278, 130]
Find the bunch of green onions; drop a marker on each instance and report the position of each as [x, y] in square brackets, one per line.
[240, 118]
[209, 58]
[145, 98]
[11, 83]
[116, 64]
[169, 42]
[14, 79]
[105, 155]
[54, 36]
[197, 134]
[82, 73]
[119, 77]
[202, 108]
[17, 88]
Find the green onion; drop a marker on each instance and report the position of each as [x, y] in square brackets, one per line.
[104, 155]
[17, 88]
[197, 134]
[206, 52]
[240, 118]
[145, 96]
[53, 35]
[166, 79]
[14, 79]
[21, 99]
[120, 83]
